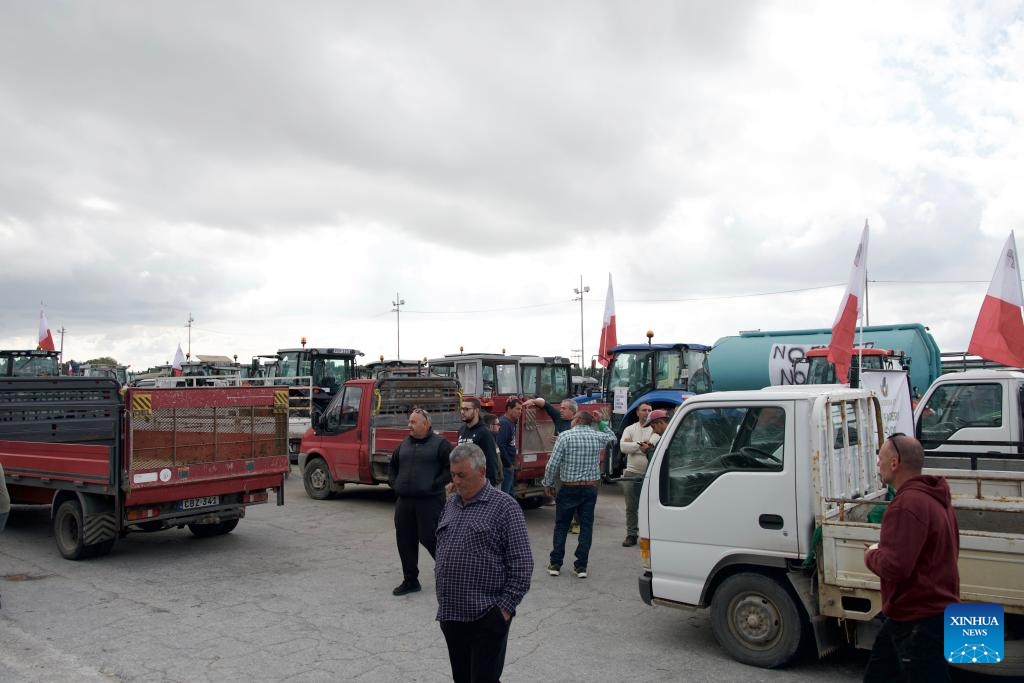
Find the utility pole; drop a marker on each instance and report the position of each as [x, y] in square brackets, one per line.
[188, 324]
[398, 303]
[580, 291]
[61, 357]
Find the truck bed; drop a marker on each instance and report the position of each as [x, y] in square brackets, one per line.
[988, 507]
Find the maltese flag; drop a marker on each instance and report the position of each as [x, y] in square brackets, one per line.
[840, 347]
[179, 358]
[45, 338]
[999, 333]
[608, 336]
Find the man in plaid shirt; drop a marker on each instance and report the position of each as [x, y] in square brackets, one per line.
[482, 569]
[576, 462]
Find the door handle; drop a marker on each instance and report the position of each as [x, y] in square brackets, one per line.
[770, 521]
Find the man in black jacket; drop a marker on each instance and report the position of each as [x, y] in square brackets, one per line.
[475, 431]
[418, 472]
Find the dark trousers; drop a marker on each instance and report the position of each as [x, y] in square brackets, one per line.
[476, 649]
[908, 651]
[572, 501]
[415, 523]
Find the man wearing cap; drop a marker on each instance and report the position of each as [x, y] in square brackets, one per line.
[638, 434]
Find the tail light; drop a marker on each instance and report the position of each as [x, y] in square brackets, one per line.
[256, 497]
[135, 514]
[645, 552]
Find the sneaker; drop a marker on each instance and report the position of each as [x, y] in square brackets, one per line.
[629, 542]
[554, 569]
[574, 528]
[406, 587]
[580, 572]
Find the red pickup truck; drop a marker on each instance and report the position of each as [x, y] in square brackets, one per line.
[143, 460]
[352, 441]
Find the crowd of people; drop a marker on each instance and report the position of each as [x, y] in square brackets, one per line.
[455, 502]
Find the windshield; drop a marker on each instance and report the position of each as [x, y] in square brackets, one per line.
[549, 382]
[712, 442]
[631, 369]
[821, 371]
[35, 366]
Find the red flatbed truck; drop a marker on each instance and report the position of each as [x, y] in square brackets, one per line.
[109, 462]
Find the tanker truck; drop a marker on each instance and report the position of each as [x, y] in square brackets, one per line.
[757, 359]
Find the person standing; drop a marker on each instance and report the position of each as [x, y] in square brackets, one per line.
[418, 472]
[576, 462]
[637, 441]
[483, 569]
[507, 443]
[916, 560]
[562, 420]
[475, 431]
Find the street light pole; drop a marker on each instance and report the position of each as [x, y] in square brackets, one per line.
[580, 292]
[398, 303]
[188, 324]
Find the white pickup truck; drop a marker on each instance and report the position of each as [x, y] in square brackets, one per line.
[756, 505]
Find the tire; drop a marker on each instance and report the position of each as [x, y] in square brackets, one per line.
[756, 620]
[532, 503]
[316, 478]
[215, 529]
[69, 530]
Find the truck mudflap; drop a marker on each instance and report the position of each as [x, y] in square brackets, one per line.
[646, 589]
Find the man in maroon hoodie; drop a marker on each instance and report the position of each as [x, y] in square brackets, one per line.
[916, 560]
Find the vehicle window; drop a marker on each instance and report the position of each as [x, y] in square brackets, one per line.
[507, 382]
[530, 373]
[954, 406]
[711, 442]
[350, 407]
[469, 377]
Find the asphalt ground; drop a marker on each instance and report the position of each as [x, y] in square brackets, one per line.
[303, 593]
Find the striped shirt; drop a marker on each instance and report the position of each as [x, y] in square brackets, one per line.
[577, 455]
[483, 557]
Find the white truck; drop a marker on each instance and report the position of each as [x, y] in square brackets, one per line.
[973, 420]
[759, 504]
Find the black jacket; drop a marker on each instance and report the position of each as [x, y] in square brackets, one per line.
[419, 467]
[480, 434]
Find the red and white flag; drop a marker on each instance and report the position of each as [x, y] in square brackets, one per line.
[999, 333]
[840, 346]
[608, 336]
[45, 338]
[179, 358]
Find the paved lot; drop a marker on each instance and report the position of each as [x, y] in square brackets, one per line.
[303, 593]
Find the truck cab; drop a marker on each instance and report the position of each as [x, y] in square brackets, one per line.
[491, 377]
[973, 419]
[663, 375]
[817, 369]
[353, 439]
[29, 363]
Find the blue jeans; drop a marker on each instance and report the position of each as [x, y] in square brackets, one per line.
[570, 500]
[508, 484]
[908, 651]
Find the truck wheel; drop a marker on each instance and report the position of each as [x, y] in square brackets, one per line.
[755, 620]
[69, 531]
[215, 529]
[317, 480]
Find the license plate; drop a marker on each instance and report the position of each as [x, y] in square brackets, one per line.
[193, 503]
[529, 457]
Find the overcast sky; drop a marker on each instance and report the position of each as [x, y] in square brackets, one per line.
[280, 169]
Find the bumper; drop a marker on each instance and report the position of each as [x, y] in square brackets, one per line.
[646, 591]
